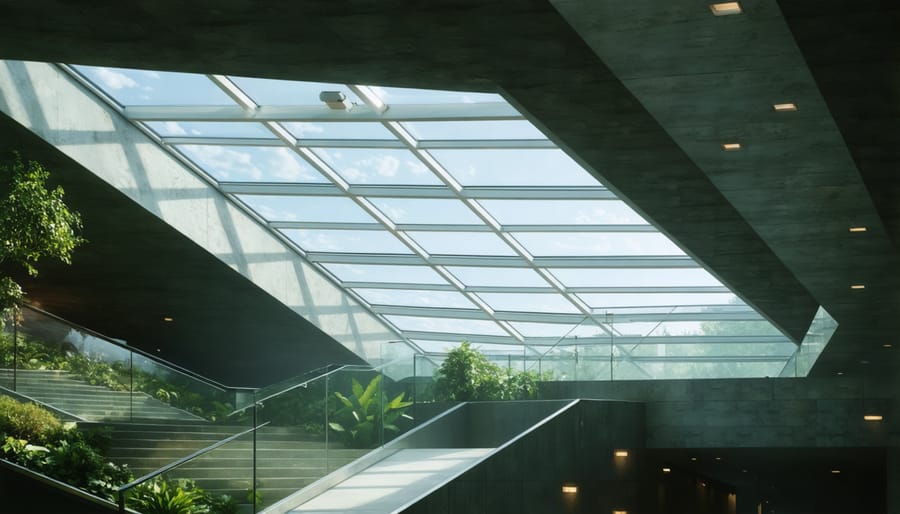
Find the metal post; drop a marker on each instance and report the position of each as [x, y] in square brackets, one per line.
[14, 320]
[131, 386]
[253, 459]
[327, 431]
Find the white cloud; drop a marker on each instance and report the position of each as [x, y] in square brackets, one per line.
[284, 164]
[114, 80]
[303, 129]
[173, 128]
[225, 163]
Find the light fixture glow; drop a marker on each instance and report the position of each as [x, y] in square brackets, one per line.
[570, 489]
[666, 470]
[788, 107]
[693, 459]
[887, 345]
[873, 417]
[621, 453]
[731, 147]
[168, 319]
[726, 8]
[857, 286]
[840, 373]
[718, 458]
[620, 512]
[858, 229]
[835, 472]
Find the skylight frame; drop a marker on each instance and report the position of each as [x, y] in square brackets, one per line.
[273, 118]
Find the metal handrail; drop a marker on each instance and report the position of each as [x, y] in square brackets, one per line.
[138, 351]
[57, 484]
[121, 490]
[355, 367]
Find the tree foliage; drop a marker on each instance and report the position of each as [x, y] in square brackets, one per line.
[467, 375]
[35, 222]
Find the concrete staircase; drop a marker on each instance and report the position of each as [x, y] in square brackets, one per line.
[89, 402]
[287, 460]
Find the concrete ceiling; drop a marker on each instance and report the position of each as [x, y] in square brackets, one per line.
[642, 95]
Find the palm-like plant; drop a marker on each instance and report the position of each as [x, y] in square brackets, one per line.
[365, 412]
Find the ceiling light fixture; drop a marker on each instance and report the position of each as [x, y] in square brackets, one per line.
[726, 8]
[858, 229]
[693, 459]
[666, 470]
[887, 345]
[788, 107]
[835, 472]
[570, 489]
[873, 417]
[621, 453]
[731, 147]
[857, 286]
[168, 319]
[335, 100]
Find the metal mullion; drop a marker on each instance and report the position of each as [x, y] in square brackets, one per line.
[221, 141]
[649, 290]
[349, 143]
[406, 286]
[579, 228]
[537, 193]
[323, 225]
[425, 227]
[410, 191]
[319, 113]
[477, 144]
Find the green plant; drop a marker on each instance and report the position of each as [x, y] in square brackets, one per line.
[365, 411]
[28, 421]
[34, 223]
[467, 375]
[166, 497]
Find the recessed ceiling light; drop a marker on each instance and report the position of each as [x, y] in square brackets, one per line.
[725, 8]
[570, 489]
[887, 345]
[873, 417]
[621, 453]
[788, 107]
[718, 458]
[694, 459]
[857, 286]
[159, 349]
[840, 373]
[858, 229]
[731, 147]
[835, 472]
[743, 471]
[168, 319]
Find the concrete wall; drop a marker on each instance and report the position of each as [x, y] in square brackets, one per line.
[739, 413]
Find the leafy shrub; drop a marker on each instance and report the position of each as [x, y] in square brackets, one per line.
[364, 412]
[28, 421]
[64, 453]
[467, 375]
[165, 497]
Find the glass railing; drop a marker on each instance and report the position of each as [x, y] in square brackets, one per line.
[216, 479]
[96, 378]
[647, 343]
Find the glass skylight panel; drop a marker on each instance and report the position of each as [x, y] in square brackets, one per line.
[145, 87]
[346, 241]
[416, 298]
[528, 302]
[653, 312]
[635, 277]
[289, 92]
[497, 277]
[596, 244]
[427, 211]
[473, 130]
[562, 212]
[386, 274]
[400, 95]
[342, 130]
[506, 167]
[447, 325]
[529, 329]
[251, 163]
[461, 243]
[237, 129]
[330, 209]
[377, 166]
[601, 300]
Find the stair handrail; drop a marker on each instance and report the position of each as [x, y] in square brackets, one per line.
[168, 467]
[150, 356]
[342, 367]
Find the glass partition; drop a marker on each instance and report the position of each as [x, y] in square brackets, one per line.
[96, 378]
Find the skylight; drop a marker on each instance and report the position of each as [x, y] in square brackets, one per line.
[451, 217]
